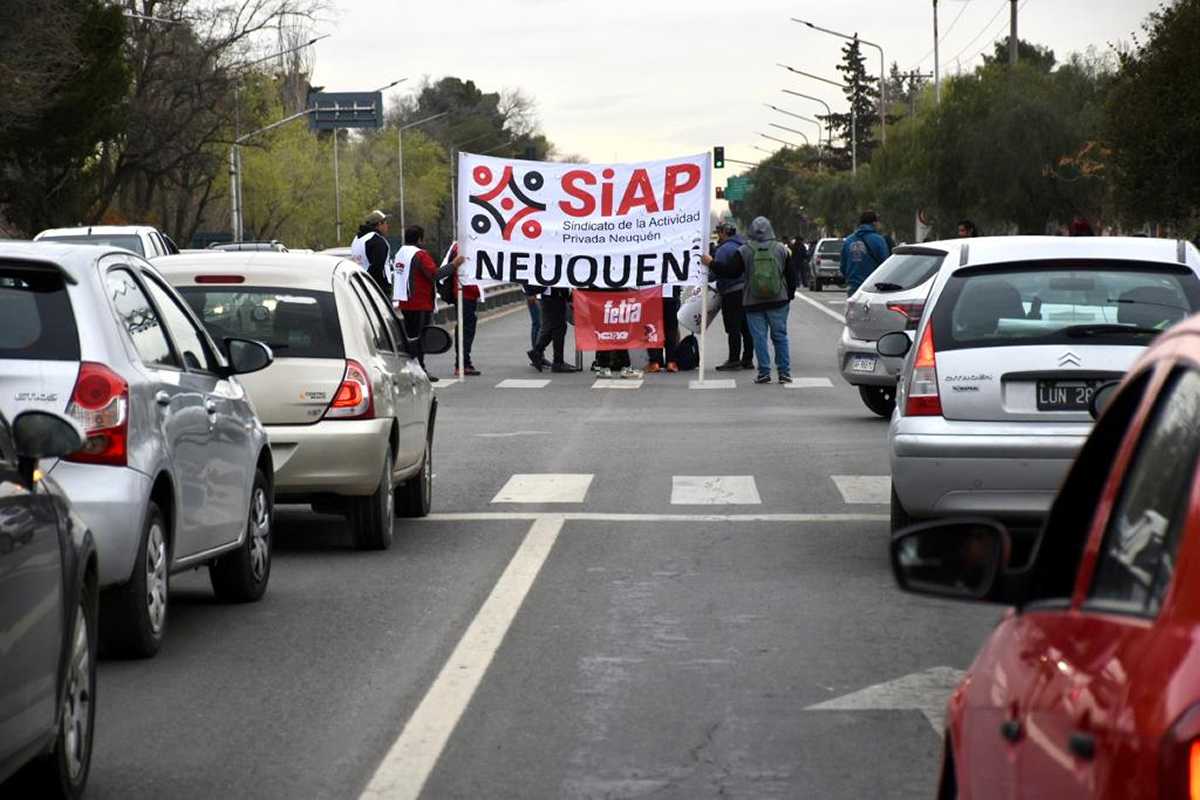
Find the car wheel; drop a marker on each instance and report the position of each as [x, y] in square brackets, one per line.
[880, 399]
[134, 615]
[63, 771]
[241, 575]
[900, 517]
[816, 284]
[371, 516]
[414, 497]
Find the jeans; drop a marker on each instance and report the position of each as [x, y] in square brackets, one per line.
[535, 319]
[773, 322]
[470, 317]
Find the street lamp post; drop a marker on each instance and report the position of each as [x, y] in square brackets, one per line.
[937, 70]
[853, 114]
[783, 142]
[882, 73]
[235, 167]
[799, 116]
[801, 134]
[400, 155]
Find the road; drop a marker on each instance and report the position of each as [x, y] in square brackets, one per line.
[713, 566]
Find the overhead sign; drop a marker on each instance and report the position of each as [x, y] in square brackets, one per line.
[737, 187]
[345, 110]
[606, 226]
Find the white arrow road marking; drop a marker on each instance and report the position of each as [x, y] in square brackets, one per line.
[411, 759]
[921, 691]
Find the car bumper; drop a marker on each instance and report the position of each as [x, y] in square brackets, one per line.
[832, 274]
[112, 503]
[342, 457]
[885, 371]
[1008, 470]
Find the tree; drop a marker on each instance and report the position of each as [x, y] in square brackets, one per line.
[862, 93]
[1152, 119]
[1030, 54]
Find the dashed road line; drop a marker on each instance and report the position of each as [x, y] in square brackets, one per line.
[719, 383]
[546, 487]
[523, 383]
[809, 383]
[821, 307]
[864, 489]
[618, 383]
[593, 516]
[713, 490]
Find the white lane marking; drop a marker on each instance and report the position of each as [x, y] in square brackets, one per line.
[546, 487]
[444, 382]
[821, 307]
[719, 383]
[809, 383]
[410, 761]
[591, 516]
[508, 434]
[714, 490]
[618, 383]
[523, 383]
[862, 489]
[836, 302]
[923, 691]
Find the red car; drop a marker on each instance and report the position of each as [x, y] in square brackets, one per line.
[1090, 685]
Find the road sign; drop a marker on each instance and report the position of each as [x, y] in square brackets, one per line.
[345, 110]
[737, 187]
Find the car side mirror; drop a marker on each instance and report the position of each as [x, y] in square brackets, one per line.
[247, 355]
[893, 345]
[1101, 397]
[43, 434]
[435, 340]
[957, 558]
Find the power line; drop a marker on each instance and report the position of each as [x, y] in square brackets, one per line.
[942, 40]
[988, 26]
[997, 37]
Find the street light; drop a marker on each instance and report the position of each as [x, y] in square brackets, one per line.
[783, 142]
[400, 155]
[882, 73]
[853, 114]
[235, 169]
[828, 112]
[801, 134]
[798, 116]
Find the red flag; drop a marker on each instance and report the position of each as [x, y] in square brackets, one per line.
[619, 320]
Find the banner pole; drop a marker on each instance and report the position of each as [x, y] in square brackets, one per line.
[703, 324]
[458, 331]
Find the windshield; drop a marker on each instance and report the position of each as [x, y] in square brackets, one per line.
[1037, 303]
[904, 271]
[130, 241]
[294, 323]
[830, 247]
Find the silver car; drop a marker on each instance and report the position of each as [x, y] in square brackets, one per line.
[1017, 334]
[349, 409]
[175, 472]
[892, 299]
[825, 264]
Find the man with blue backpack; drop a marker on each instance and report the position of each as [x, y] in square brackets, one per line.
[863, 251]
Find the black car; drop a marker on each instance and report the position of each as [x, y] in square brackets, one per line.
[47, 617]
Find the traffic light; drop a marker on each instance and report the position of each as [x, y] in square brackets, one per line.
[720, 192]
[718, 157]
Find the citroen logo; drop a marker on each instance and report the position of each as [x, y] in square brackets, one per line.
[1068, 359]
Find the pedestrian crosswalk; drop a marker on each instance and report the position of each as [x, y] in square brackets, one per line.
[618, 383]
[800, 382]
[686, 490]
[523, 383]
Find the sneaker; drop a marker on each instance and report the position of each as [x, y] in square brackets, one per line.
[654, 366]
[536, 359]
[432, 378]
[596, 366]
[630, 372]
[785, 378]
[470, 370]
[729, 365]
[763, 378]
[747, 365]
[603, 372]
[672, 366]
[563, 366]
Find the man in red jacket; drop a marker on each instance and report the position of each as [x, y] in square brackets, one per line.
[418, 268]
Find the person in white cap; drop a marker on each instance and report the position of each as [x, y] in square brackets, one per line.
[371, 251]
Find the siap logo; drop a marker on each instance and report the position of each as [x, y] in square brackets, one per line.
[481, 223]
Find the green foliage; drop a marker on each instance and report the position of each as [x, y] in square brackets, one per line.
[1153, 119]
[862, 94]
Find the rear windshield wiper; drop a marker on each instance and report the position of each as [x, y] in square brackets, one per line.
[1108, 328]
[884, 286]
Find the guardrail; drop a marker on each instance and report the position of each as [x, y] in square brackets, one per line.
[504, 294]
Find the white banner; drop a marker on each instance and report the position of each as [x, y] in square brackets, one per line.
[607, 226]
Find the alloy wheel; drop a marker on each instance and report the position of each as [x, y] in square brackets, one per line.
[260, 534]
[77, 700]
[156, 577]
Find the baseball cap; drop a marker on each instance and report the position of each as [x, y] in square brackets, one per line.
[376, 217]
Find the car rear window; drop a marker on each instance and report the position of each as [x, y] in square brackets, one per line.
[832, 247]
[293, 322]
[129, 241]
[38, 321]
[903, 271]
[1077, 302]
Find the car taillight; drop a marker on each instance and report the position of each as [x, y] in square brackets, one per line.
[353, 399]
[923, 398]
[1179, 758]
[910, 311]
[100, 404]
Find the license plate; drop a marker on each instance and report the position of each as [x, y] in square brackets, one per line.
[862, 364]
[1065, 395]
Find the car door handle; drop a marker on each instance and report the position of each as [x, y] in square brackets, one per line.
[1083, 745]
[162, 398]
[1011, 730]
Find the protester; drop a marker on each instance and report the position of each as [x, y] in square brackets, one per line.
[414, 298]
[470, 305]
[862, 252]
[1080, 227]
[553, 333]
[966, 229]
[766, 298]
[535, 311]
[799, 260]
[371, 251]
[737, 332]
[661, 356]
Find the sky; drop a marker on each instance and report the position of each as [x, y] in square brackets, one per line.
[621, 80]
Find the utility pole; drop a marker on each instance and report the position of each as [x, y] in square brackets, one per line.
[913, 76]
[337, 193]
[937, 70]
[1012, 35]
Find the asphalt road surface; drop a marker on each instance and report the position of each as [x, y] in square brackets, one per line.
[657, 591]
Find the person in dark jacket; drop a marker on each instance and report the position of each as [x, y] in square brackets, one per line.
[737, 332]
[799, 260]
[370, 249]
[863, 251]
[470, 304]
[553, 333]
[767, 314]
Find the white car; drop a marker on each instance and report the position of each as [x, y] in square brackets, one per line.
[826, 264]
[145, 240]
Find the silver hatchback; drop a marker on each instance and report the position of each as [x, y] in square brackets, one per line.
[1017, 334]
[892, 299]
[175, 472]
